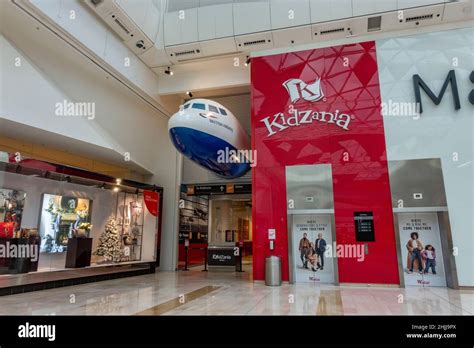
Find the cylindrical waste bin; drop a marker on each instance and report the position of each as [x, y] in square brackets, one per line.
[273, 271]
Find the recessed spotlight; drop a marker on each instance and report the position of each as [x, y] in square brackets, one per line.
[190, 95]
[168, 71]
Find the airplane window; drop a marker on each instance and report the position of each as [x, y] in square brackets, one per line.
[199, 106]
[187, 106]
[223, 111]
[213, 109]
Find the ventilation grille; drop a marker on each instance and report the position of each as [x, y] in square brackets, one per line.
[374, 23]
[256, 42]
[122, 26]
[332, 31]
[184, 53]
[419, 18]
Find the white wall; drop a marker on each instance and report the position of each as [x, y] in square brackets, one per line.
[91, 31]
[28, 96]
[440, 132]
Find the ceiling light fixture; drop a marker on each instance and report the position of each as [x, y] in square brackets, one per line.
[116, 189]
[190, 95]
[118, 181]
[168, 71]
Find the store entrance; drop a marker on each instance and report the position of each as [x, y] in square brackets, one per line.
[216, 227]
[426, 253]
[231, 223]
[311, 239]
[422, 250]
[311, 227]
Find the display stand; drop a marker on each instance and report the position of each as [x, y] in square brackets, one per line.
[79, 252]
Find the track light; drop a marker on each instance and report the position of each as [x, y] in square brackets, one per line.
[103, 185]
[247, 62]
[168, 71]
[118, 181]
[116, 189]
[190, 95]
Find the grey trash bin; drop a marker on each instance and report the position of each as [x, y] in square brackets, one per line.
[273, 271]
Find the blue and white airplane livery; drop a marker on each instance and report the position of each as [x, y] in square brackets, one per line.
[203, 130]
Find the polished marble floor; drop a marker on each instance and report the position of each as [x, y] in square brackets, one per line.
[222, 293]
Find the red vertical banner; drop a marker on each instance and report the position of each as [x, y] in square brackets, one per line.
[152, 201]
[323, 106]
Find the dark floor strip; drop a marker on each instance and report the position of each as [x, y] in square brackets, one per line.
[179, 301]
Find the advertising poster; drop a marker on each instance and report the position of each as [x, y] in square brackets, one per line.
[422, 256]
[311, 238]
[60, 216]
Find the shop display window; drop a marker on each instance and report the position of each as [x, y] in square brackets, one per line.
[11, 212]
[129, 221]
[61, 218]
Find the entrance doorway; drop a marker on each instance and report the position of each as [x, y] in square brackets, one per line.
[231, 223]
[422, 253]
[310, 240]
[311, 227]
[422, 228]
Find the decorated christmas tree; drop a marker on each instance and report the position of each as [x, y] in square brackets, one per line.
[110, 244]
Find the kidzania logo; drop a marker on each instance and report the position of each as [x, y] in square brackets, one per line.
[297, 90]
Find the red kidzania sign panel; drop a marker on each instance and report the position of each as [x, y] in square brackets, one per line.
[323, 106]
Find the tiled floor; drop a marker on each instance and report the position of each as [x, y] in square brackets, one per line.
[222, 293]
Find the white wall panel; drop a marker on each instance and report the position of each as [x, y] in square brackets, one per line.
[289, 13]
[181, 27]
[215, 22]
[366, 7]
[440, 131]
[251, 17]
[415, 3]
[328, 10]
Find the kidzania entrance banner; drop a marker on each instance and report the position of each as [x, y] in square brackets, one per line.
[323, 106]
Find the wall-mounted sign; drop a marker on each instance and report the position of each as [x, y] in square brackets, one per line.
[151, 201]
[243, 188]
[271, 233]
[223, 189]
[221, 257]
[418, 84]
[364, 226]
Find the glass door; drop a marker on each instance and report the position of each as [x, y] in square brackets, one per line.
[311, 228]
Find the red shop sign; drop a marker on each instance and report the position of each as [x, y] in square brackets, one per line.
[151, 201]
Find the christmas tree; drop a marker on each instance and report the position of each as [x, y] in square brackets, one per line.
[110, 243]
